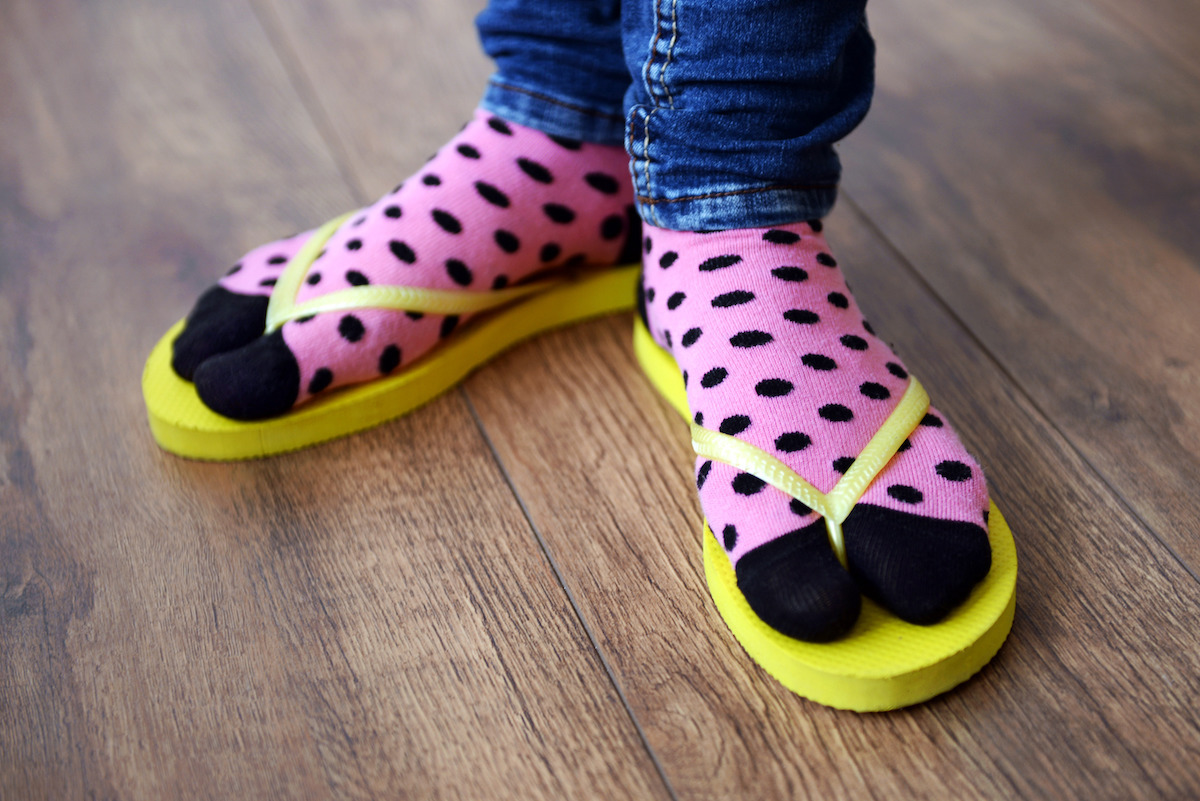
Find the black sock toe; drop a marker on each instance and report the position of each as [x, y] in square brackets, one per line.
[919, 568]
[797, 587]
[220, 321]
[255, 382]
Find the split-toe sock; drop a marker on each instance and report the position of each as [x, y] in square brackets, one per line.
[775, 352]
[499, 205]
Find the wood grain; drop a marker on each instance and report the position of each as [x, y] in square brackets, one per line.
[1073, 254]
[369, 619]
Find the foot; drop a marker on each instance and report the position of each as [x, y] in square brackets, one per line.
[775, 352]
[499, 205]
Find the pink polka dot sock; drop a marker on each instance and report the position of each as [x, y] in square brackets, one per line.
[499, 205]
[775, 352]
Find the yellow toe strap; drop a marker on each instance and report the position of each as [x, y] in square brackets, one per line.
[834, 506]
[283, 307]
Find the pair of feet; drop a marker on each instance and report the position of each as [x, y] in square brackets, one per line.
[771, 343]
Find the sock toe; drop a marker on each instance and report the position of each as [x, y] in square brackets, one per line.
[920, 568]
[795, 584]
[254, 382]
[220, 321]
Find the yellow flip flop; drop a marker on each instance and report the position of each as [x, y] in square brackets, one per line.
[183, 425]
[883, 663]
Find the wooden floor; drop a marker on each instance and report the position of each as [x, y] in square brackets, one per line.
[501, 595]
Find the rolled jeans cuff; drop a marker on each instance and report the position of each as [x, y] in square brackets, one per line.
[722, 211]
[558, 116]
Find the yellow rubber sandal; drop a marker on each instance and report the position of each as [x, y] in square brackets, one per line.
[183, 425]
[883, 663]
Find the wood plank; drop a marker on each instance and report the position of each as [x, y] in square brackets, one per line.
[1095, 696]
[369, 619]
[1037, 164]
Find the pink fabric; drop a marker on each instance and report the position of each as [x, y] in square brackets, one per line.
[500, 203]
[776, 353]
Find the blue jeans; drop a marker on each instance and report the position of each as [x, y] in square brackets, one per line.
[728, 108]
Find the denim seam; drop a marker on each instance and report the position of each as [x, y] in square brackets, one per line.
[556, 101]
[662, 76]
[800, 187]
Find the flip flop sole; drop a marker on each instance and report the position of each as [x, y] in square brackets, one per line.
[183, 425]
[883, 663]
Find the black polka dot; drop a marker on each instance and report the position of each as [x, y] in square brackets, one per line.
[842, 464]
[558, 213]
[826, 259]
[905, 493]
[690, 336]
[796, 274]
[499, 126]
[986, 515]
[447, 221]
[818, 362]
[719, 263]
[953, 471]
[714, 377]
[667, 336]
[468, 151]
[781, 237]
[647, 244]
[414, 315]
[267, 282]
[355, 278]
[354, 244]
[549, 252]
[854, 342]
[668, 259]
[816, 226]
[702, 475]
[431, 180]
[393, 212]
[237, 268]
[773, 387]
[750, 339]
[448, 326]
[320, 255]
[566, 141]
[612, 227]
[874, 391]
[904, 446]
[867, 327]
[675, 299]
[650, 295]
[602, 183]
[746, 484]
[736, 298]
[389, 360]
[351, 328]
[838, 299]
[801, 317]
[305, 318]
[399, 186]
[729, 535]
[897, 370]
[500, 282]
[277, 260]
[799, 508]
[792, 441]
[313, 279]
[932, 420]
[320, 380]
[507, 241]
[492, 195]
[698, 418]
[402, 251]
[836, 413]
[535, 171]
[459, 272]
[734, 424]
[685, 379]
